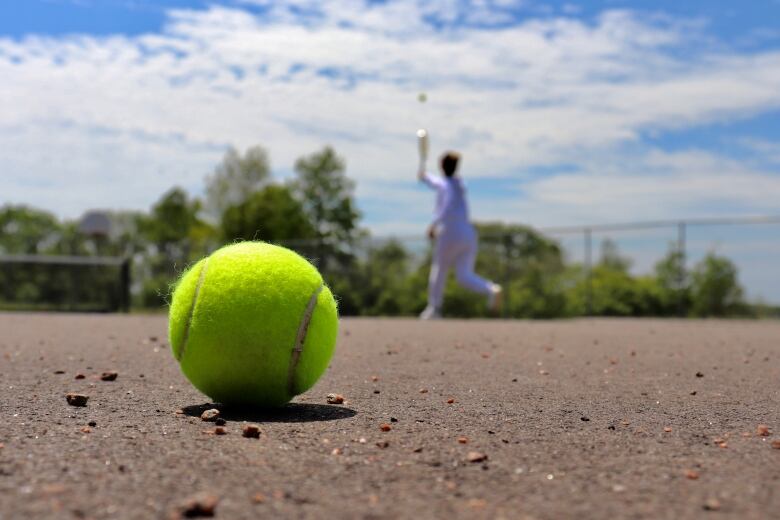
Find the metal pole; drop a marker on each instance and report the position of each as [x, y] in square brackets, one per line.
[124, 276]
[588, 273]
[681, 250]
[507, 274]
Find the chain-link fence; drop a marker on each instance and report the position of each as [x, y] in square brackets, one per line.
[546, 272]
[752, 245]
[64, 283]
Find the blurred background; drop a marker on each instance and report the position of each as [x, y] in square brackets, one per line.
[622, 158]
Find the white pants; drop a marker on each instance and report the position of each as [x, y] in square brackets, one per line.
[459, 252]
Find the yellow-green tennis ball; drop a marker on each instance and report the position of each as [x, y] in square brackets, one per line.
[253, 324]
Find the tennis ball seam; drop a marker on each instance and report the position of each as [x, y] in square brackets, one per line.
[201, 279]
[300, 338]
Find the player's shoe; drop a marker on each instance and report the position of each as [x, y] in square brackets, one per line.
[495, 298]
[430, 313]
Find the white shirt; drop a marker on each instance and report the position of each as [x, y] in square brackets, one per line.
[452, 213]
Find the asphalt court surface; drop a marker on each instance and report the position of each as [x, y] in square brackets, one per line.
[591, 418]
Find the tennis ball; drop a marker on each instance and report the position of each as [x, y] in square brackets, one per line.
[252, 324]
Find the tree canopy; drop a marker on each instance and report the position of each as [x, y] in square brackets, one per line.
[315, 213]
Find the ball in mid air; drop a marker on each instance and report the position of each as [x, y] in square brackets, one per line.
[252, 324]
[422, 97]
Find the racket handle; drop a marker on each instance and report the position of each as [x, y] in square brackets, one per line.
[422, 143]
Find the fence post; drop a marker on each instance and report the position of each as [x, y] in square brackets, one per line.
[681, 249]
[507, 273]
[124, 280]
[588, 273]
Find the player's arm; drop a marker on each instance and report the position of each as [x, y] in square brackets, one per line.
[430, 180]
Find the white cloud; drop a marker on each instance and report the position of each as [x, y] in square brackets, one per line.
[763, 149]
[123, 118]
[647, 186]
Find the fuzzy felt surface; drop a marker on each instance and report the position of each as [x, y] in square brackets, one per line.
[233, 322]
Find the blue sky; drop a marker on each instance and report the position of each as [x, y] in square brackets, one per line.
[566, 112]
[726, 19]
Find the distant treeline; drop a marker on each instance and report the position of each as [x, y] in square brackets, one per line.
[315, 213]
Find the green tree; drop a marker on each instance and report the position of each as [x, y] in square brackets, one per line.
[272, 214]
[327, 196]
[171, 219]
[235, 179]
[169, 229]
[387, 290]
[611, 257]
[672, 281]
[612, 290]
[26, 230]
[715, 289]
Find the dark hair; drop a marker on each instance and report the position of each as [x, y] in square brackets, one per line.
[449, 163]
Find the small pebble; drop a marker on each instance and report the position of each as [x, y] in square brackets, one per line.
[220, 421]
[711, 504]
[220, 430]
[335, 399]
[699, 374]
[80, 376]
[763, 430]
[475, 456]
[383, 444]
[111, 375]
[92, 423]
[86, 429]
[775, 444]
[210, 415]
[667, 429]
[76, 399]
[258, 498]
[423, 390]
[251, 431]
[374, 378]
[385, 427]
[463, 440]
[59, 372]
[450, 400]
[197, 506]
[691, 474]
